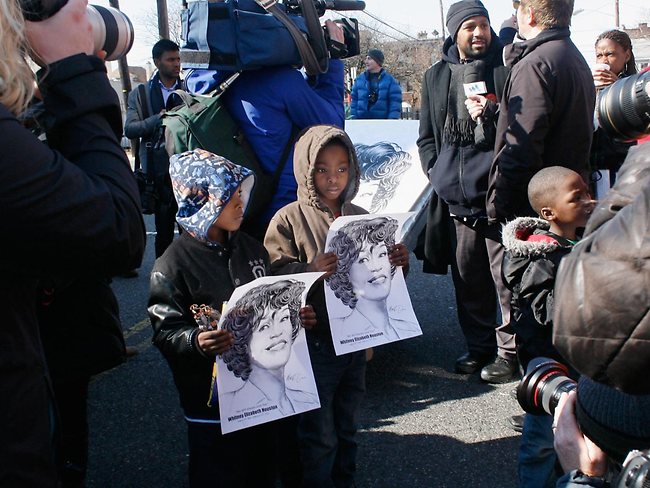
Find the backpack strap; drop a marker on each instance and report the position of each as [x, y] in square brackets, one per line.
[307, 54]
[285, 155]
[143, 112]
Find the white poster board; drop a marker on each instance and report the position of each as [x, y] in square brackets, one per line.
[367, 300]
[392, 180]
[266, 374]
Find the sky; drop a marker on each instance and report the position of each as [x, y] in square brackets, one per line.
[591, 17]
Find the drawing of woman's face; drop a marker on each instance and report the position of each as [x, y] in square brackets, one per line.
[370, 274]
[271, 342]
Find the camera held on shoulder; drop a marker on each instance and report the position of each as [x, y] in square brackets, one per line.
[547, 389]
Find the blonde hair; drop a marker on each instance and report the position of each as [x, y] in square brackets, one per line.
[16, 77]
[551, 13]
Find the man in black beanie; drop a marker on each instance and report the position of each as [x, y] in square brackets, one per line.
[375, 93]
[456, 153]
[602, 328]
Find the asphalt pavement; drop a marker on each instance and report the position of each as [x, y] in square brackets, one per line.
[421, 425]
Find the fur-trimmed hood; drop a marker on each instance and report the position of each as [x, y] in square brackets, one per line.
[528, 237]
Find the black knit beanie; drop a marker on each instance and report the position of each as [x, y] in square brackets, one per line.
[459, 12]
[377, 55]
[616, 422]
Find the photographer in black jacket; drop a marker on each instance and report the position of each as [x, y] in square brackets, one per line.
[67, 210]
[602, 328]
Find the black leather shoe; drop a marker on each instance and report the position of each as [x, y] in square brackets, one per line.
[500, 371]
[517, 422]
[470, 363]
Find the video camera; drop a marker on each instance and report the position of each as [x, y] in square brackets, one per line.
[539, 392]
[623, 109]
[350, 26]
[236, 35]
[112, 30]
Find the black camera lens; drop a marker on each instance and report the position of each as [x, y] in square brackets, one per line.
[624, 108]
[539, 391]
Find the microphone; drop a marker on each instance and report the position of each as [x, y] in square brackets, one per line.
[473, 83]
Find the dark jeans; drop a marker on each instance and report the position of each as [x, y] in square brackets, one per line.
[476, 272]
[537, 458]
[165, 218]
[327, 435]
[249, 458]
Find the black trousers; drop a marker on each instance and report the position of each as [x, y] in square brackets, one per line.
[476, 272]
[255, 457]
[165, 216]
[71, 398]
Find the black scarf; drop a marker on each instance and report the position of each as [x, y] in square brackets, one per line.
[459, 126]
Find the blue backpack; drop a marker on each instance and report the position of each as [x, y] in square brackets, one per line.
[236, 35]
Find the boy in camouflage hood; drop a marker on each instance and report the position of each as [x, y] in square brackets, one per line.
[202, 267]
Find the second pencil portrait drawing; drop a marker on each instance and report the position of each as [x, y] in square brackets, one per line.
[367, 299]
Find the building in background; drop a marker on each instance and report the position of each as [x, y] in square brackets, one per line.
[640, 37]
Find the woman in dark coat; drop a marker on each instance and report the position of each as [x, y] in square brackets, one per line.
[67, 210]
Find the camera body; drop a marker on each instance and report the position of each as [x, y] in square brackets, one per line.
[539, 392]
[636, 471]
[112, 30]
[351, 35]
[623, 108]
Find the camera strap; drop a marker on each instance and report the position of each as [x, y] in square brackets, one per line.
[307, 54]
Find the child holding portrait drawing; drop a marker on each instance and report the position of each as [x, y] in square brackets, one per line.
[327, 172]
[202, 268]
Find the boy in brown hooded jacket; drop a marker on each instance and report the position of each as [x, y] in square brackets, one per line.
[327, 172]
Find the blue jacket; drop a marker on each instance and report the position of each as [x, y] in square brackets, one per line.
[389, 98]
[268, 103]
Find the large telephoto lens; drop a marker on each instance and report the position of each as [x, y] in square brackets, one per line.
[112, 30]
[539, 391]
[624, 108]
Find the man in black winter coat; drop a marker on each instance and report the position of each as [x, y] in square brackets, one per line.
[457, 153]
[546, 114]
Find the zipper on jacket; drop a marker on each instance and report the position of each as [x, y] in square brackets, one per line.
[461, 167]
